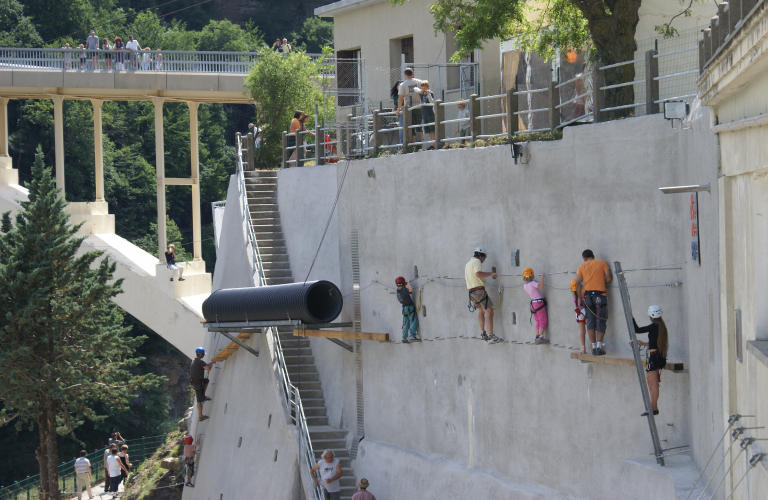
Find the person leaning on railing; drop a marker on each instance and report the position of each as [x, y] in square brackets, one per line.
[107, 48]
[120, 56]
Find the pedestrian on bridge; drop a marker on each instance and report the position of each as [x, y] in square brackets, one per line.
[198, 381]
[92, 44]
[133, 48]
[120, 56]
[107, 48]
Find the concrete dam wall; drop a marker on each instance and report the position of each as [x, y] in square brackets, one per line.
[454, 417]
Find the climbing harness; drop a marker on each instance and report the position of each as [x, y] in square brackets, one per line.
[534, 311]
[471, 305]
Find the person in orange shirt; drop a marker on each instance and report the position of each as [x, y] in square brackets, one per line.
[595, 274]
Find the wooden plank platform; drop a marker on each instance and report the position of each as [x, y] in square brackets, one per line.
[611, 360]
[231, 347]
[336, 334]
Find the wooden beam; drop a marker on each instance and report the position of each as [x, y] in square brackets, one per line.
[610, 360]
[335, 334]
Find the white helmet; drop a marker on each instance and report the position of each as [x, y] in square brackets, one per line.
[480, 250]
[654, 311]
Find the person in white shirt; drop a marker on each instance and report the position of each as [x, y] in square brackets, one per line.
[83, 472]
[287, 49]
[107, 454]
[133, 49]
[330, 472]
[409, 94]
[114, 466]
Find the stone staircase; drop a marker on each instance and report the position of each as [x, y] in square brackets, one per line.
[261, 186]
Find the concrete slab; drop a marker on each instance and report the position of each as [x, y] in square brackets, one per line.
[38, 78]
[148, 80]
[231, 83]
[6, 77]
[89, 79]
[192, 81]
[644, 478]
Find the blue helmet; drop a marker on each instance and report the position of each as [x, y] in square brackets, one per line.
[199, 350]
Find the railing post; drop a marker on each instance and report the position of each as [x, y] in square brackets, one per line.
[238, 145]
[376, 133]
[708, 45]
[406, 123]
[249, 151]
[723, 22]
[554, 101]
[319, 145]
[651, 84]
[598, 95]
[285, 150]
[734, 15]
[512, 108]
[439, 125]
[348, 137]
[474, 120]
[143, 444]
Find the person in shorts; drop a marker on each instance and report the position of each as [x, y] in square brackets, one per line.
[330, 473]
[428, 111]
[595, 274]
[409, 94]
[189, 458]
[92, 44]
[478, 296]
[463, 127]
[198, 381]
[656, 356]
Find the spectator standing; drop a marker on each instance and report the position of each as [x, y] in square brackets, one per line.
[427, 111]
[538, 304]
[170, 259]
[409, 93]
[123, 456]
[114, 468]
[67, 56]
[478, 297]
[107, 454]
[287, 49]
[256, 131]
[133, 49]
[410, 314]
[330, 472]
[463, 127]
[198, 381]
[658, 344]
[293, 128]
[120, 56]
[83, 472]
[189, 458]
[277, 46]
[595, 274]
[92, 44]
[393, 94]
[116, 438]
[363, 493]
[107, 48]
[146, 59]
[83, 57]
[303, 120]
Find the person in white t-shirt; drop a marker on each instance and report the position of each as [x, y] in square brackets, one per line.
[409, 93]
[133, 49]
[114, 466]
[83, 473]
[330, 472]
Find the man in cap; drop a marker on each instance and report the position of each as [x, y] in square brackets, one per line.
[363, 493]
[92, 44]
[478, 297]
[198, 381]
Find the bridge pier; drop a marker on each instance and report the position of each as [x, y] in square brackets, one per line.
[7, 174]
[197, 247]
[58, 134]
[98, 149]
[160, 169]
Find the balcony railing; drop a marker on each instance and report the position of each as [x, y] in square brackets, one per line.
[166, 61]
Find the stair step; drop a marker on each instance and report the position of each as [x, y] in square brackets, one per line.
[274, 266]
[255, 184]
[312, 394]
[264, 214]
[312, 402]
[266, 250]
[304, 369]
[261, 198]
[269, 235]
[279, 281]
[315, 412]
[308, 386]
[312, 420]
[337, 452]
[272, 257]
[293, 342]
[322, 444]
[277, 273]
[326, 432]
[262, 207]
[295, 351]
[299, 360]
[347, 481]
[271, 218]
[305, 377]
[270, 242]
[267, 228]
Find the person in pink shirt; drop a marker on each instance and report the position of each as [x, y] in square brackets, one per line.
[362, 493]
[538, 303]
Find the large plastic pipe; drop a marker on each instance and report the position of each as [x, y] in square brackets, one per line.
[312, 302]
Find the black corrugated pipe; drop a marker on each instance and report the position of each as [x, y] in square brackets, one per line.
[311, 302]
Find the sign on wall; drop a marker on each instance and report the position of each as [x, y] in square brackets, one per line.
[695, 242]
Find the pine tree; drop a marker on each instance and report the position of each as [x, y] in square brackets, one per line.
[62, 343]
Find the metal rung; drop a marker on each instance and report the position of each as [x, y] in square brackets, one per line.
[572, 99]
[617, 85]
[457, 120]
[523, 92]
[487, 97]
[676, 74]
[574, 79]
[675, 98]
[530, 111]
[390, 129]
[622, 63]
[497, 115]
[614, 108]
[676, 51]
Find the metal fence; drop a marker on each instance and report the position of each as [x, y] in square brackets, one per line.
[28, 488]
[167, 61]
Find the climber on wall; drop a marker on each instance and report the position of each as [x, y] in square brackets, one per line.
[478, 297]
[198, 380]
[410, 314]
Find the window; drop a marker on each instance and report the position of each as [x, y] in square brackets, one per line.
[737, 331]
[407, 49]
[348, 77]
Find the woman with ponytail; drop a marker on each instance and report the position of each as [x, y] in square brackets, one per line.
[658, 343]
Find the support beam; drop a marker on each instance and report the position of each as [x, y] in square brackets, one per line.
[58, 135]
[160, 169]
[197, 247]
[236, 341]
[5, 157]
[335, 334]
[179, 181]
[98, 148]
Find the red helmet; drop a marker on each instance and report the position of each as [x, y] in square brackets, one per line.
[188, 440]
[400, 281]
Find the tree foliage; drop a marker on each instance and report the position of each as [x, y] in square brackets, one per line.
[313, 35]
[62, 343]
[16, 29]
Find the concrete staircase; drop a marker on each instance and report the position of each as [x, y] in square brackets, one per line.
[261, 186]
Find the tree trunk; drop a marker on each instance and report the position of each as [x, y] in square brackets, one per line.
[613, 33]
[53, 455]
[42, 451]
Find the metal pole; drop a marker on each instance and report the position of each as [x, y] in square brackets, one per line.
[752, 462]
[732, 420]
[742, 446]
[639, 363]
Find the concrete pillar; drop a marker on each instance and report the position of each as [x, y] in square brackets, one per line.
[319, 146]
[98, 148]
[406, 111]
[160, 169]
[5, 157]
[512, 109]
[651, 84]
[58, 134]
[734, 15]
[474, 121]
[439, 125]
[197, 246]
[299, 162]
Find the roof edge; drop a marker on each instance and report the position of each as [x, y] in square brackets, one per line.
[342, 6]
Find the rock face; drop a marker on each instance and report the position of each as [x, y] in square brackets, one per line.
[159, 477]
[175, 368]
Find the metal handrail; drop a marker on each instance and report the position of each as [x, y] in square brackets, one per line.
[621, 64]
[290, 392]
[583, 75]
[695, 47]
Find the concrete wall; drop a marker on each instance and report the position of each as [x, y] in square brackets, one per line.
[500, 418]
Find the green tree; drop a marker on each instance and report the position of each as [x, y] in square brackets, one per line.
[226, 36]
[314, 34]
[16, 29]
[62, 343]
[279, 85]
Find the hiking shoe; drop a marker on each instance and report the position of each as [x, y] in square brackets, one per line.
[484, 336]
[171, 279]
[600, 351]
[406, 341]
[203, 417]
[207, 399]
[594, 352]
[493, 339]
[430, 148]
[188, 485]
[182, 279]
[414, 339]
[541, 340]
[645, 413]
[583, 350]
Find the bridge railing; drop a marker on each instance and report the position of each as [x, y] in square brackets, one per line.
[167, 61]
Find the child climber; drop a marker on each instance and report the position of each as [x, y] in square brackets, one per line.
[410, 316]
[581, 316]
[538, 304]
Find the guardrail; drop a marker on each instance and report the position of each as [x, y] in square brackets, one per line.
[28, 488]
[290, 392]
[166, 61]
